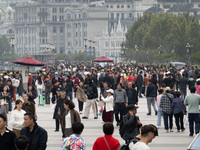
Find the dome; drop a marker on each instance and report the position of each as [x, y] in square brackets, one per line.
[98, 5]
[9, 9]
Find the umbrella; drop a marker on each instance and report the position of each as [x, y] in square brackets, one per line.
[29, 61]
[103, 59]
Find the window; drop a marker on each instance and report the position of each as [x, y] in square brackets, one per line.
[84, 15]
[128, 6]
[130, 15]
[117, 16]
[61, 39]
[112, 16]
[111, 6]
[69, 34]
[122, 16]
[117, 6]
[112, 44]
[54, 29]
[62, 50]
[61, 29]
[107, 6]
[122, 6]
[61, 10]
[54, 10]
[61, 18]
[54, 18]
[106, 44]
[68, 16]
[76, 34]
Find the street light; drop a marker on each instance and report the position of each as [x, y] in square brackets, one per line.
[136, 51]
[85, 44]
[189, 51]
[94, 48]
[12, 42]
[160, 49]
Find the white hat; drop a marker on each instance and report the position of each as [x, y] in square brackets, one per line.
[110, 91]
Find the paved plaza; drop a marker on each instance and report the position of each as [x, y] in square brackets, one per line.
[93, 129]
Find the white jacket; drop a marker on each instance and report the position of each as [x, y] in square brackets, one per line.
[17, 119]
[109, 103]
[38, 85]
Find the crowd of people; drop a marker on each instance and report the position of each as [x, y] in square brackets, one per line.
[120, 86]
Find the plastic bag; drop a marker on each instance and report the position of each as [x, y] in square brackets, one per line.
[185, 120]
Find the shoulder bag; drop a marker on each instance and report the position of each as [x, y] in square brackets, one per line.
[107, 143]
[184, 113]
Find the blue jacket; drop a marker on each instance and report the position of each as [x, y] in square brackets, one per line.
[38, 138]
[176, 107]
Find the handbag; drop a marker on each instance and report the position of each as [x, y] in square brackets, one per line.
[184, 113]
[107, 143]
[101, 104]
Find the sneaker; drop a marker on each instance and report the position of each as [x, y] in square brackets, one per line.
[80, 112]
[171, 130]
[178, 130]
[56, 130]
[183, 130]
[156, 113]
[84, 117]
[96, 117]
[148, 114]
[118, 124]
[190, 135]
[167, 131]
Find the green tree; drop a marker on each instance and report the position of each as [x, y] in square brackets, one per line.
[170, 31]
[5, 49]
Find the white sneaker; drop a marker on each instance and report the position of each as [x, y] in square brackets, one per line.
[171, 130]
[167, 131]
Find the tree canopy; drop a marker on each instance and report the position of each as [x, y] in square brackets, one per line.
[162, 38]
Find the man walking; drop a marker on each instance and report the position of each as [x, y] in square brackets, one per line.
[183, 86]
[120, 103]
[92, 94]
[193, 101]
[151, 97]
[37, 135]
[131, 94]
[140, 83]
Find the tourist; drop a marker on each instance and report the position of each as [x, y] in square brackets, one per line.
[17, 117]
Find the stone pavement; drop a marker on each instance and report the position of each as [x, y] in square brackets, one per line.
[93, 129]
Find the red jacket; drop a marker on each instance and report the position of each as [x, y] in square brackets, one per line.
[100, 143]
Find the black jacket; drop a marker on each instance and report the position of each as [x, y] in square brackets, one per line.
[134, 98]
[38, 138]
[92, 91]
[151, 91]
[132, 127]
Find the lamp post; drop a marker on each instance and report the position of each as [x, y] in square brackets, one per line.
[189, 51]
[94, 48]
[12, 42]
[85, 44]
[160, 49]
[123, 50]
[136, 51]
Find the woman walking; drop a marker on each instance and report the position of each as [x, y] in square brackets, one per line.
[108, 107]
[32, 93]
[17, 117]
[69, 117]
[179, 110]
[40, 85]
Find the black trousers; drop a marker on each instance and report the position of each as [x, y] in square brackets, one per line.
[80, 105]
[179, 120]
[57, 124]
[120, 108]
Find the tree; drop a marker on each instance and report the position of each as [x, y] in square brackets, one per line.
[170, 31]
[5, 49]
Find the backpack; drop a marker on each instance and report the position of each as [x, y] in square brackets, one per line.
[90, 91]
[76, 82]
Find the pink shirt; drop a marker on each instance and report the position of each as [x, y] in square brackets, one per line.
[198, 89]
[158, 99]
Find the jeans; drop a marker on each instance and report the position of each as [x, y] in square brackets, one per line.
[140, 90]
[39, 92]
[70, 95]
[160, 113]
[193, 117]
[166, 117]
[177, 85]
[151, 101]
[183, 93]
[179, 120]
[10, 104]
[47, 97]
[120, 108]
